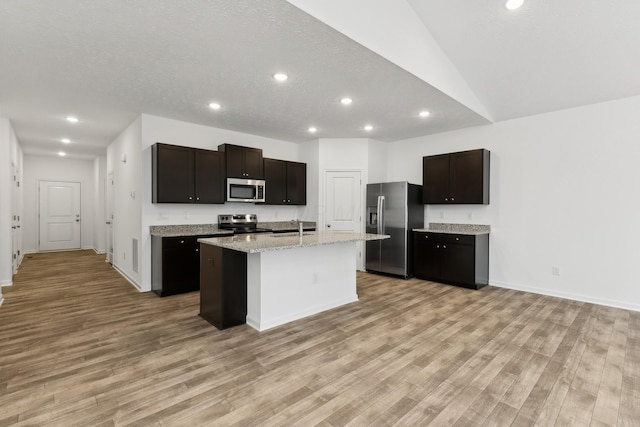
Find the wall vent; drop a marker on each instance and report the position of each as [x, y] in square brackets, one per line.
[134, 255]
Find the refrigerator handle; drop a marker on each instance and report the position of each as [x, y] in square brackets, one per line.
[380, 214]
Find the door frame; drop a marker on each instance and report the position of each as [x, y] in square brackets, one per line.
[39, 208]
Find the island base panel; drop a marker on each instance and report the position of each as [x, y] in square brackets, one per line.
[223, 286]
[287, 285]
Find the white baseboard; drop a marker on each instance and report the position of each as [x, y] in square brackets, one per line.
[1, 300]
[129, 279]
[98, 252]
[567, 295]
[29, 251]
[7, 282]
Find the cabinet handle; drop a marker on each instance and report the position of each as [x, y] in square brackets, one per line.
[452, 199]
[197, 250]
[181, 241]
[288, 201]
[283, 200]
[197, 198]
[457, 238]
[446, 199]
[190, 198]
[426, 237]
[437, 246]
[444, 246]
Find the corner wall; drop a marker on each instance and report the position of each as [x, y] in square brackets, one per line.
[157, 129]
[564, 193]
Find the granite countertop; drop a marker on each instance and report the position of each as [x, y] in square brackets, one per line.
[471, 229]
[280, 226]
[253, 243]
[204, 229]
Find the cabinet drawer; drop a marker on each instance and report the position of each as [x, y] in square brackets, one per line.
[463, 239]
[428, 237]
[179, 242]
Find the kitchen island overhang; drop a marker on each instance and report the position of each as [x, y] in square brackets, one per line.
[287, 276]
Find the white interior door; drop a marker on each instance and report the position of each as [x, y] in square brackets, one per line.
[16, 236]
[59, 215]
[343, 204]
[109, 216]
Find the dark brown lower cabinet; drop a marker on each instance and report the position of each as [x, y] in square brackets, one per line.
[455, 259]
[175, 264]
[223, 286]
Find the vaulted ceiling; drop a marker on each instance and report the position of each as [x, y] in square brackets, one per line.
[467, 63]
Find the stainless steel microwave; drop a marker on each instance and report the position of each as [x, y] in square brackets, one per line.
[245, 190]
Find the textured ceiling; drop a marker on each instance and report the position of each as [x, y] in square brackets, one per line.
[545, 56]
[109, 61]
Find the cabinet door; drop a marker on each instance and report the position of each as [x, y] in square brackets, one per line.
[435, 179]
[181, 268]
[275, 175]
[253, 166]
[467, 177]
[209, 176]
[458, 263]
[173, 179]
[234, 157]
[426, 263]
[296, 183]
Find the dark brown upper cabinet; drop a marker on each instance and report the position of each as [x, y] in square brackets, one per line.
[186, 175]
[285, 182]
[456, 178]
[243, 162]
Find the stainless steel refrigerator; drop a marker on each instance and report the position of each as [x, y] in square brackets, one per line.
[393, 208]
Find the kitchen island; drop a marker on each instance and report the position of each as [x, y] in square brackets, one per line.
[280, 277]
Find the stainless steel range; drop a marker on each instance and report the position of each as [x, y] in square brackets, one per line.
[241, 223]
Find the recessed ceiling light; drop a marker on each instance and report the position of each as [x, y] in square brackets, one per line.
[61, 153]
[424, 113]
[368, 128]
[72, 119]
[346, 101]
[513, 4]
[280, 77]
[215, 106]
[65, 140]
[313, 129]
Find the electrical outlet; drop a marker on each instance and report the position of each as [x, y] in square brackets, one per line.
[555, 271]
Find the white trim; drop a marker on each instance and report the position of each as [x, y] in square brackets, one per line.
[129, 279]
[8, 282]
[1, 300]
[567, 295]
[98, 252]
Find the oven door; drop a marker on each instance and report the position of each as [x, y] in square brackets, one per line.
[245, 190]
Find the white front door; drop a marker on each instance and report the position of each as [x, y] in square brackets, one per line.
[59, 215]
[109, 217]
[343, 204]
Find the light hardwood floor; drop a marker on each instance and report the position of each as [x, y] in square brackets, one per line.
[79, 346]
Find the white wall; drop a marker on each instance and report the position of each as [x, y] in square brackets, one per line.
[124, 159]
[48, 168]
[99, 194]
[565, 192]
[10, 154]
